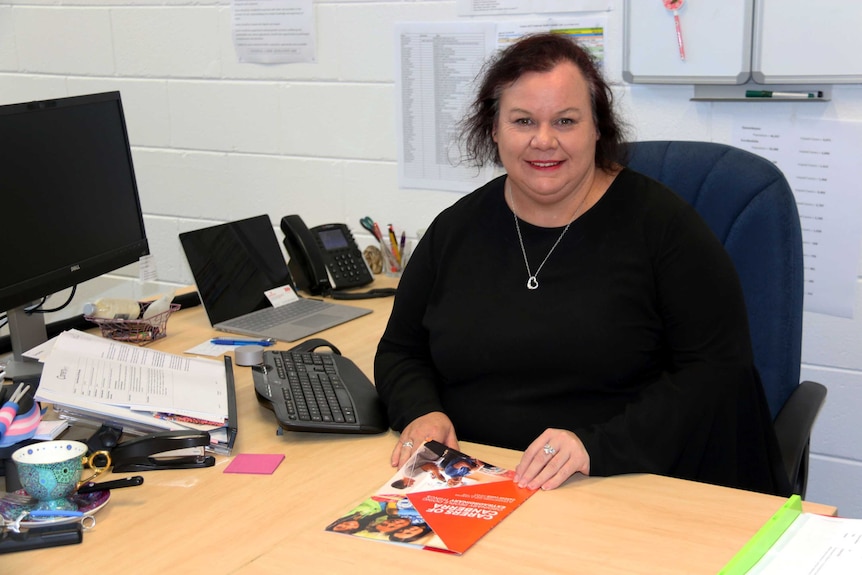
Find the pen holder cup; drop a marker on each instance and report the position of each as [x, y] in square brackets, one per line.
[140, 331]
[392, 273]
[391, 266]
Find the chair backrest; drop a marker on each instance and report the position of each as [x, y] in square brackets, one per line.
[749, 205]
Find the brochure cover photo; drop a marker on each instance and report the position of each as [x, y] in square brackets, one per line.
[441, 499]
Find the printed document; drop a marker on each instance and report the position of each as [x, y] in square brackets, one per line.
[86, 371]
[815, 545]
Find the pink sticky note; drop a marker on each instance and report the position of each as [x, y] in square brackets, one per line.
[261, 464]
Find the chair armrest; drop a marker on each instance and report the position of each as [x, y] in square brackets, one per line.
[793, 427]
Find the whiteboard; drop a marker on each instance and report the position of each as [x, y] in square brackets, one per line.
[716, 35]
[807, 42]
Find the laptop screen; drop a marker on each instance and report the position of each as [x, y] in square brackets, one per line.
[234, 264]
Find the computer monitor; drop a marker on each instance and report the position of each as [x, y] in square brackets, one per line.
[69, 206]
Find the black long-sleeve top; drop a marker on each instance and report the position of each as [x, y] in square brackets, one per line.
[636, 338]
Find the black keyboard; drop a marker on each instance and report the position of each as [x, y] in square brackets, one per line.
[311, 391]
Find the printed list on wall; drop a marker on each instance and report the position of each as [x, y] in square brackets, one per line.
[437, 64]
[818, 159]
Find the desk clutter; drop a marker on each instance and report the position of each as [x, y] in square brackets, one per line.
[90, 378]
[48, 503]
[54, 505]
[150, 411]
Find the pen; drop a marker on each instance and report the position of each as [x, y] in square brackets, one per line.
[388, 257]
[377, 233]
[674, 6]
[679, 35]
[55, 513]
[394, 242]
[92, 487]
[402, 246]
[771, 94]
[264, 342]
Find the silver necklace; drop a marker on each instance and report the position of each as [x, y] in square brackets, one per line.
[532, 279]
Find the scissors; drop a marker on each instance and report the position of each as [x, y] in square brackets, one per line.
[372, 227]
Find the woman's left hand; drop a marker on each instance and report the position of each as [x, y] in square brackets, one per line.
[552, 458]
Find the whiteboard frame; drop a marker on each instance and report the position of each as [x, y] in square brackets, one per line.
[796, 43]
[717, 35]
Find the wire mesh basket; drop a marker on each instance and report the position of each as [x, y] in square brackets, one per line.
[140, 331]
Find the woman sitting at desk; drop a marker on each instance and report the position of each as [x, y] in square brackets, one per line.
[573, 308]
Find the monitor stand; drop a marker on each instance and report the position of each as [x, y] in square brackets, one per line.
[26, 331]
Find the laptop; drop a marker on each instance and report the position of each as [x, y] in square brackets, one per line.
[235, 264]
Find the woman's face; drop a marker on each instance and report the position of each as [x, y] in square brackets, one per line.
[546, 136]
[349, 525]
[392, 524]
[409, 532]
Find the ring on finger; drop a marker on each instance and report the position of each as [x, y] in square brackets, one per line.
[548, 449]
[408, 444]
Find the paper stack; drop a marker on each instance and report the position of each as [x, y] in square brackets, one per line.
[100, 380]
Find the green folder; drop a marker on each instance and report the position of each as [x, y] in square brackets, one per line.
[764, 539]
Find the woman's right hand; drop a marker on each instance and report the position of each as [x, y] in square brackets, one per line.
[435, 425]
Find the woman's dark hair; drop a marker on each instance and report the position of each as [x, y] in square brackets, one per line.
[362, 520]
[394, 536]
[539, 53]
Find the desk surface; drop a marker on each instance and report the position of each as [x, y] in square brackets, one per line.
[207, 521]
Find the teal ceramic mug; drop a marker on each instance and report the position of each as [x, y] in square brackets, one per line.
[51, 471]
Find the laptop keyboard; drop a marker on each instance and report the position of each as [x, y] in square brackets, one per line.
[273, 316]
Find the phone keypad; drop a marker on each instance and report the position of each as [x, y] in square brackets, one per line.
[347, 268]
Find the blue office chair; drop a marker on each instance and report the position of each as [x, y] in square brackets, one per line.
[749, 205]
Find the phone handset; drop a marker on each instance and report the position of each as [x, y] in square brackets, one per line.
[306, 262]
[326, 258]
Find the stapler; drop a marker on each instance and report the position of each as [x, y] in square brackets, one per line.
[163, 450]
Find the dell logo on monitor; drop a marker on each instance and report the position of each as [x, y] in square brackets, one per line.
[75, 268]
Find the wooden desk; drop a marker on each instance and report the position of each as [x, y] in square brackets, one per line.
[206, 521]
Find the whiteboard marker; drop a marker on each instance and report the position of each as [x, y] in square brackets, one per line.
[771, 94]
